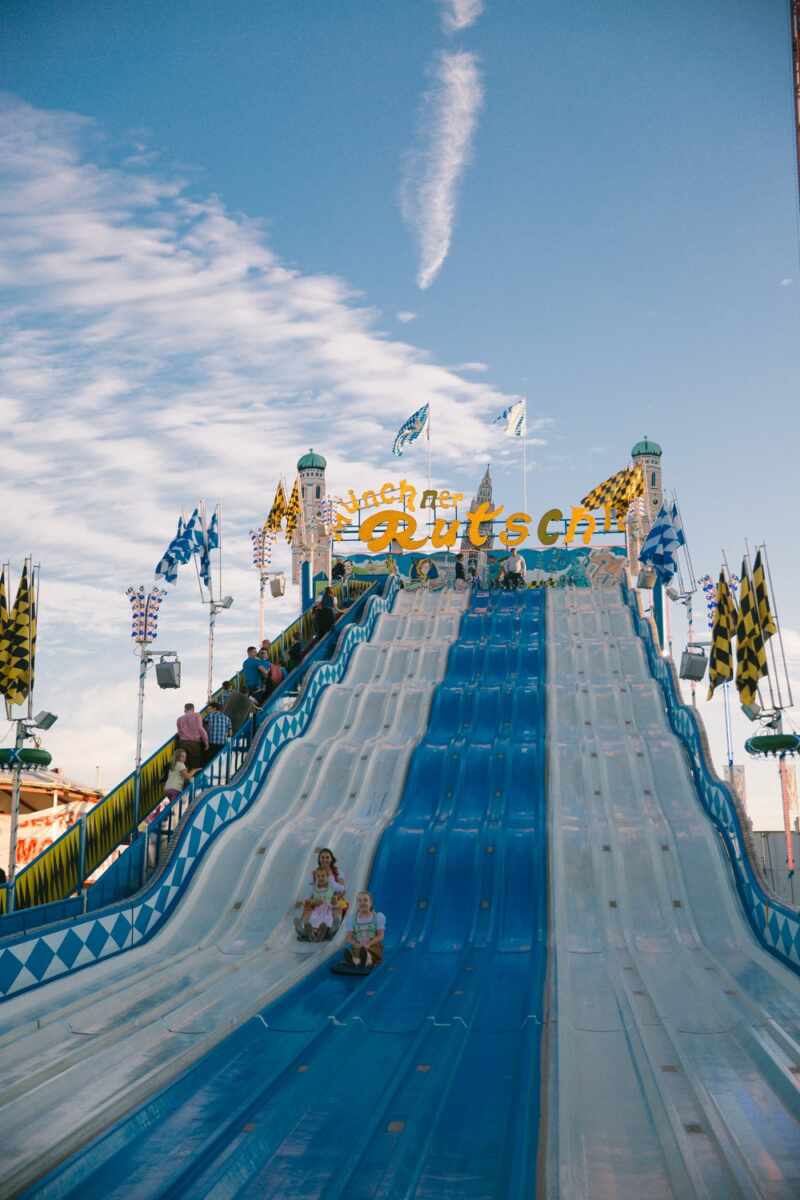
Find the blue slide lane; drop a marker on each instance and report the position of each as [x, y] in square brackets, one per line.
[423, 1079]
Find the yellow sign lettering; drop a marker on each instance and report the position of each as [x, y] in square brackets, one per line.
[579, 513]
[399, 527]
[444, 533]
[546, 538]
[481, 516]
[516, 530]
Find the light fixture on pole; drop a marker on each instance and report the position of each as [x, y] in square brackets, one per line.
[144, 630]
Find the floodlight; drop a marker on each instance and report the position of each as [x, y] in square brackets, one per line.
[751, 711]
[674, 594]
[44, 719]
[226, 602]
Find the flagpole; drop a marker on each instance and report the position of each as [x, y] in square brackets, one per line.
[525, 457]
[6, 570]
[137, 779]
[218, 513]
[769, 645]
[34, 616]
[19, 742]
[428, 435]
[760, 631]
[778, 623]
[262, 588]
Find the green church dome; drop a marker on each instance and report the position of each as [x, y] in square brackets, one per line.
[646, 447]
[311, 462]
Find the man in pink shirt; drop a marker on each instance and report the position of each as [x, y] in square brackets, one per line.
[192, 736]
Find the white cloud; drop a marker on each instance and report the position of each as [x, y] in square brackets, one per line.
[787, 282]
[156, 351]
[405, 316]
[450, 114]
[473, 366]
[460, 14]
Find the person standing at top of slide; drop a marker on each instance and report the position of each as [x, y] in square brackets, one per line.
[515, 569]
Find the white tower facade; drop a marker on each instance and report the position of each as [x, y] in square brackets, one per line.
[310, 541]
[643, 511]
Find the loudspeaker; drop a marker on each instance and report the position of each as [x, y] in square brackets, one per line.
[646, 578]
[277, 585]
[693, 665]
[168, 674]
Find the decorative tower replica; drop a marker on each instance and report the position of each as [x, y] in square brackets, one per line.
[474, 556]
[310, 542]
[644, 510]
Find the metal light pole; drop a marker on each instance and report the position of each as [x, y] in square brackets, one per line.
[144, 628]
[214, 606]
[15, 790]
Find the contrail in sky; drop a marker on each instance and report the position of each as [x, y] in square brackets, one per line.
[450, 113]
[460, 14]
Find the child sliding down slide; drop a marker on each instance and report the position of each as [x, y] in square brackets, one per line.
[365, 931]
[321, 915]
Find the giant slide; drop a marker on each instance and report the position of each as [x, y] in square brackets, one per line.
[653, 1055]
[422, 1080]
[675, 1058]
[81, 1050]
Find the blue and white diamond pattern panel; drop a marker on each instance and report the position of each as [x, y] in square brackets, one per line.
[775, 925]
[32, 959]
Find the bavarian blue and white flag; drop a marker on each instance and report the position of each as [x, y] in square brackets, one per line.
[168, 565]
[677, 525]
[209, 542]
[410, 430]
[514, 418]
[190, 541]
[212, 534]
[662, 543]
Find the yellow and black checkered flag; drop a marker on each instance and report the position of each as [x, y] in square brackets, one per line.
[766, 620]
[293, 511]
[751, 657]
[720, 660]
[278, 510]
[20, 642]
[618, 492]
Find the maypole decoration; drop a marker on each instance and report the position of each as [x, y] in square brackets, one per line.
[145, 608]
[261, 540]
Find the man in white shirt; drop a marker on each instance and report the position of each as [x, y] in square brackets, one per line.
[515, 570]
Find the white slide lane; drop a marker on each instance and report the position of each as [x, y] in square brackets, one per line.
[674, 1036]
[79, 1051]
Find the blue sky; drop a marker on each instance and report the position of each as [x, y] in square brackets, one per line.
[213, 214]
